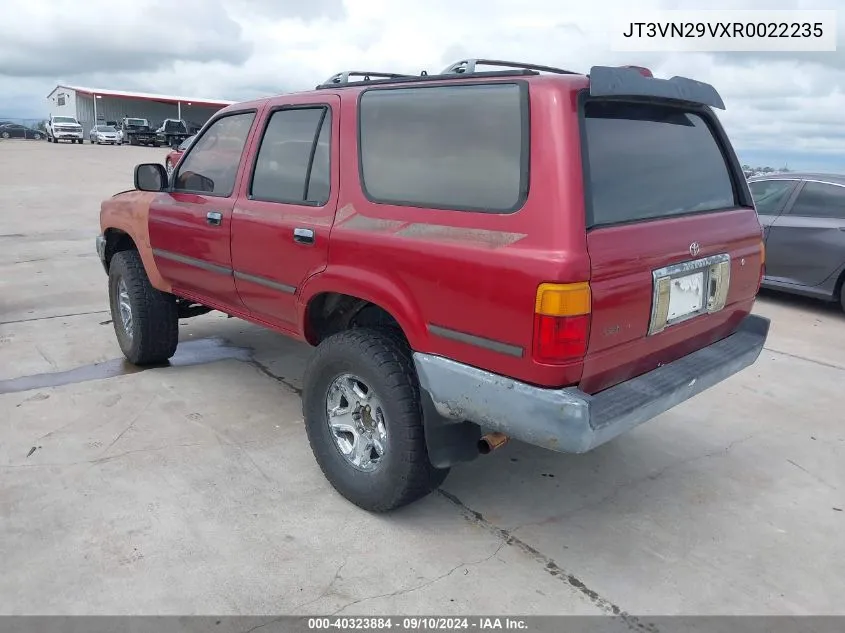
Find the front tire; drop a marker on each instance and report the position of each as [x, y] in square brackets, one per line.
[146, 321]
[363, 417]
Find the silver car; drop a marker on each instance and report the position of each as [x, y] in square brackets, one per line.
[100, 134]
[803, 218]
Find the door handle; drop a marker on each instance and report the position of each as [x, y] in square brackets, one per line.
[303, 236]
[214, 218]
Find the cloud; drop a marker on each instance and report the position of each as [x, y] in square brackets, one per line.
[129, 37]
[243, 49]
[301, 9]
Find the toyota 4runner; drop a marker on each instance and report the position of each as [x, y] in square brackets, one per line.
[523, 252]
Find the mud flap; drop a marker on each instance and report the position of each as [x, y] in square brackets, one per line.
[448, 442]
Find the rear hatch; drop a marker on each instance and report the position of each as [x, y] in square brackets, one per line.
[674, 242]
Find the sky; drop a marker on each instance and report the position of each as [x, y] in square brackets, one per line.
[782, 108]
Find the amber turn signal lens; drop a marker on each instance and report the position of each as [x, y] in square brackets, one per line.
[563, 299]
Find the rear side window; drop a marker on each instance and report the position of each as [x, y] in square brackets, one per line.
[648, 161]
[820, 200]
[446, 147]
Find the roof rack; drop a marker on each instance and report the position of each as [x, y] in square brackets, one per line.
[467, 66]
[367, 75]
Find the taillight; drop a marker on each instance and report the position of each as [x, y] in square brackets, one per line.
[561, 322]
[762, 265]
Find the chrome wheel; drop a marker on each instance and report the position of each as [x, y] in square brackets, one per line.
[356, 420]
[124, 307]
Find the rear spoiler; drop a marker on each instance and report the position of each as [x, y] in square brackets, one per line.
[607, 81]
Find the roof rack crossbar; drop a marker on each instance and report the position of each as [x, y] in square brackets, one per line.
[467, 66]
[345, 76]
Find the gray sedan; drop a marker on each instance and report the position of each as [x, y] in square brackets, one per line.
[104, 134]
[803, 218]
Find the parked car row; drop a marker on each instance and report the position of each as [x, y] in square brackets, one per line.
[129, 131]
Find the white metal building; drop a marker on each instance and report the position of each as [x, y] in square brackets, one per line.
[90, 105]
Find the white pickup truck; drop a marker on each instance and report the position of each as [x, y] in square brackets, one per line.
[64, 128]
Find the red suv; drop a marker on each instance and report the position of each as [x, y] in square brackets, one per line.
[523, 252]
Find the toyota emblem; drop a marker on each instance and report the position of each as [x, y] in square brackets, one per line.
[694, 249]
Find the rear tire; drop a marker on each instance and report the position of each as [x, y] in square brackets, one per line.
[145, 320]
[379, 360]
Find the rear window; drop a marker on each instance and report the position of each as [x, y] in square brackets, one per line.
[174, 126]
[461, 147]
[648, 161]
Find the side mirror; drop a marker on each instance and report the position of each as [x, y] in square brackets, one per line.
[150, 177]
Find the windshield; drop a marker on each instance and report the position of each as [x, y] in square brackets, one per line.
[63, 119]
[136, 121]
[105, 128]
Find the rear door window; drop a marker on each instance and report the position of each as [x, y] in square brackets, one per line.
[770, 195]
[648, 162]
[293, 161]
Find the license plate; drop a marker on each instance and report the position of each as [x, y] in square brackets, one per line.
[686, 295]
[685, 290]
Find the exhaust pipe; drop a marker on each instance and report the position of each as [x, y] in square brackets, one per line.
[490, 442]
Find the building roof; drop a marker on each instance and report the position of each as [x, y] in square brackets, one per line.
[145, 96]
